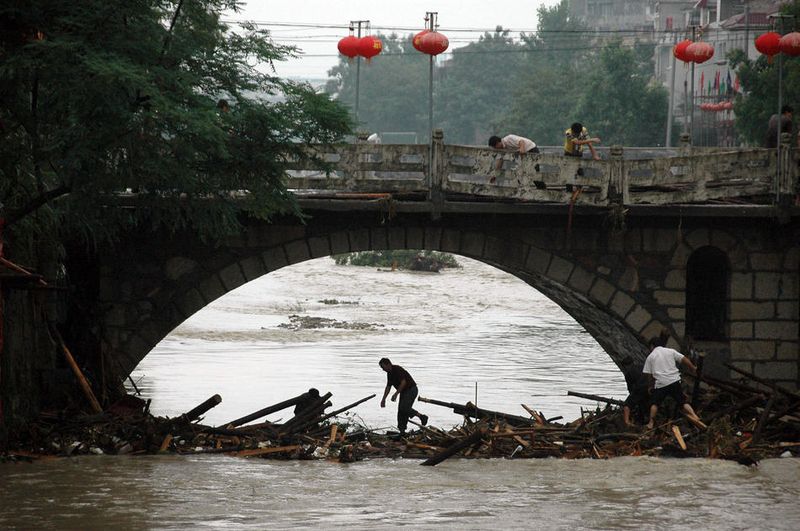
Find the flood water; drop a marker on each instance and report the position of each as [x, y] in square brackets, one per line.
[451, 331]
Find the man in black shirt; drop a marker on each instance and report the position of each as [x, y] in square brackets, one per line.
[406, 387]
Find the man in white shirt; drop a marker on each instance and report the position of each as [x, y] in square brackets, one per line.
[664, 378]
[516, 143]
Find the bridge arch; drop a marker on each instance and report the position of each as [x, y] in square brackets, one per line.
[601, 295]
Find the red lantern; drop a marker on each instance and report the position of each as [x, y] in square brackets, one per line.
[369, 47]
[417, 40]
[767, 44]
[433, 43]
[728, 105]
[704, 106]
[679, 50]
[699, 52]
[348, 46]
[790, 44]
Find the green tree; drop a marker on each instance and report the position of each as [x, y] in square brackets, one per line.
[759, 80]
[619, 102]
[98, 97]
[393, 88]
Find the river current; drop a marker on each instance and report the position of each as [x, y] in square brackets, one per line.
[462, 333]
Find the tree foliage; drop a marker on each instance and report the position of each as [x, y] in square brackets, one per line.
[759, 80]
[101, 97]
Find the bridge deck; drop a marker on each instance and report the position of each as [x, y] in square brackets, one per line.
[464, 178]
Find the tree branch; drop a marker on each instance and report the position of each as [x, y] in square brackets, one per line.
[42, 199]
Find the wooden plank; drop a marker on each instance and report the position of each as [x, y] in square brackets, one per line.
[264, 451]
[676, 431]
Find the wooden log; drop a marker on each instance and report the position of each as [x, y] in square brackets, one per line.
[596, 398]
[762, 421]
[456, 447]
[265, 411]
[165, 443]
[537, 417]
[469, 410]
[736, 407]
[198, 410]
[87, 389]
[771, 385]
[313, 410]
[676, 431]
[264, 451]
[331, 414]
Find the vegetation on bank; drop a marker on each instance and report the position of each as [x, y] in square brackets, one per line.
[403, 259]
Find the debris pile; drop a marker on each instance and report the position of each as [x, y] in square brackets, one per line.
[747, 420]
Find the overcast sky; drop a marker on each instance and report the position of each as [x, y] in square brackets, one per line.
[402, 16]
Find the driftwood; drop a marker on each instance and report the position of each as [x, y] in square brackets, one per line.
[84, 383]
[596, 398]
[266, 411]
[469, 410]
[332, 414]
[762, 381]
[195, 413]
[456, 447]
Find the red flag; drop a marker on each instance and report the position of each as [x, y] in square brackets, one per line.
[702, 82]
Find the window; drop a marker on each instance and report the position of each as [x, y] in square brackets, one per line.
[707, 278]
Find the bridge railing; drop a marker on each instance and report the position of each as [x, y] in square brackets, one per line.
[694, 176]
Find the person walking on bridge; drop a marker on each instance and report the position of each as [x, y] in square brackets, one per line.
[665, 379]
[406, 388]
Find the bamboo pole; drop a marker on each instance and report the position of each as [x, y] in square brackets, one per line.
[87, 389]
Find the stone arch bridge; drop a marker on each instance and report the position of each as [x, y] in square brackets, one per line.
[617, 256]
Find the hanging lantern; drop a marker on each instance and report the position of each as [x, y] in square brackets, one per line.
[768, 44]
[416, 41]
[348, 46]
[679, 50]
[704, 106]
[433, 43]
[790, 44]
[369, 47]
[728, 105]
[699, 52]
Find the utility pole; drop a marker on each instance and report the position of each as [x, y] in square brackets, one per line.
[431, 18]
[358, 61]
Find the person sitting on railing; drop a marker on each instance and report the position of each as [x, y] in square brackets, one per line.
[575, 138]
[771, 140]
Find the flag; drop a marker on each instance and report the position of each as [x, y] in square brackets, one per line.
[702, 82]
[729, 84]
[736, 86]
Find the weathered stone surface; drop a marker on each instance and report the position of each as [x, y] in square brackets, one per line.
[297, 251]
[603, 270]
[602, 291]
[776, 370]
[504, 252]
[115, 316]
[232, 277]
[658, 240]
[433, 238]
[638, 318]
[415, 238]
[538, 261]
[629, 280]
[212, 288]
[340, 243]
[472, 244]
[652, 330]
[359, 240]
[678, 314]
[752, 311]
[722, 239]
[766, 261]
[676, 279]
[741, 286]
[776, 330]
[788, 310]
[581, 280]
[767, 285]
[791, 261]
[190, 302]
[670, 298]
[621, 304]
[698, 238]
[788, 287]
[633, 241]
[178, 266]
[738, 259]
[252, 268]
[680, 257]
[788, 350]
[274, 259]
[397, 237]
[319, 247]
[742, 330]
[451, 241]
[379, 239]
[752, 350]
[560, 269]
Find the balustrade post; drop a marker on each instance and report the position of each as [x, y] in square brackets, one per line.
[617, 183]
[686, 144]
[784, 187]
[436, 173]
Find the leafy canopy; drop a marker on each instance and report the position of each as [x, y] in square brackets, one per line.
[100, 97]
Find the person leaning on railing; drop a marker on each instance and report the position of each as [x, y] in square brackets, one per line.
[575, 138]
